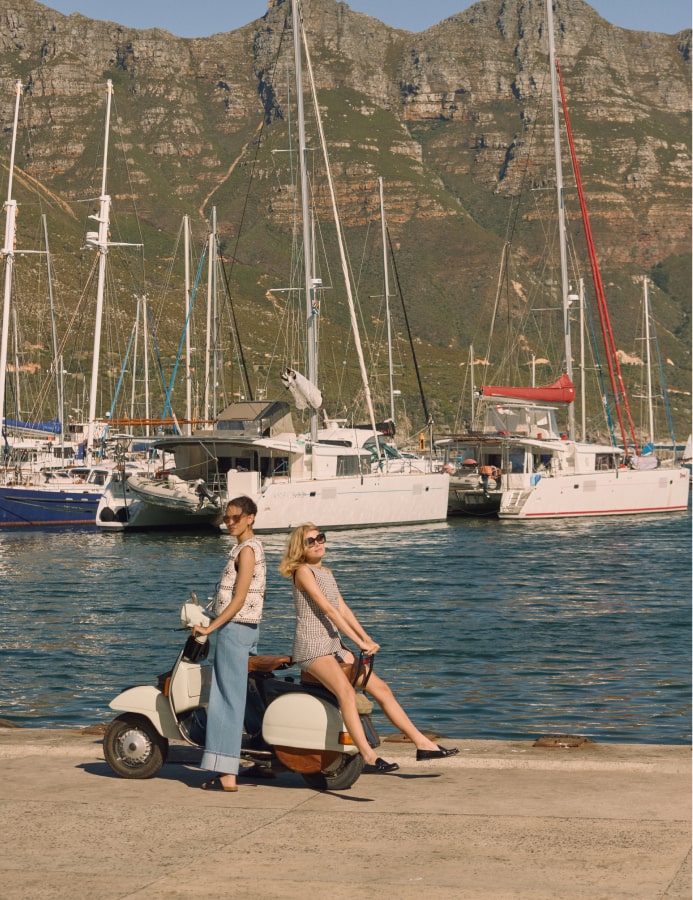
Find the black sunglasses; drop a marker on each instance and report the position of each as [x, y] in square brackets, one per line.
[318, 539]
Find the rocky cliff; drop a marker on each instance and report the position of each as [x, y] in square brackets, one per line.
[454, 119]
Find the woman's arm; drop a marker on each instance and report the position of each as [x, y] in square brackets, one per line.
[244, 575]
[350, 617]
[305, 581]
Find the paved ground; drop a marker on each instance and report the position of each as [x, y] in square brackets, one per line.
[501, 820]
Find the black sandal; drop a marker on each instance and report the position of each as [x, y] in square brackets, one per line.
[216, 784]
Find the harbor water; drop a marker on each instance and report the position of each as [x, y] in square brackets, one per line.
[488, 629]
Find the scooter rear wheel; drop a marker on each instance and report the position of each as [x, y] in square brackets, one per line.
[133, 747]
[339, 776]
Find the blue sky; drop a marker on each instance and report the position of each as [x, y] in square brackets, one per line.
[205, 17]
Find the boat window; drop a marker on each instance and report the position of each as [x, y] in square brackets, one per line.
[274, 467]
[517, 461]
[348, 465]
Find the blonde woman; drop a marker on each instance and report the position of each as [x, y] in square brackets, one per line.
[322, 617]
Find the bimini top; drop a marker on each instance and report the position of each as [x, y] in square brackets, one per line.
[561, 391]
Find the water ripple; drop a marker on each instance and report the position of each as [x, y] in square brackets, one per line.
[488, 629]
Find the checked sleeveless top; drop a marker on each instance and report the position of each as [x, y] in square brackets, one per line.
[315, 634]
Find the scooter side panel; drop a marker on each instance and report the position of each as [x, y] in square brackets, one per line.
[190, 686]
[304, 721]
[148, 701]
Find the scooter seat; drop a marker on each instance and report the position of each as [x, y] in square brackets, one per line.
[268, 663]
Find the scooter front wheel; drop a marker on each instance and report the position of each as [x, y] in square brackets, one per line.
[133, 747]
[339, 776]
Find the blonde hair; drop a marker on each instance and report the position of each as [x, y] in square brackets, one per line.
[295, 553]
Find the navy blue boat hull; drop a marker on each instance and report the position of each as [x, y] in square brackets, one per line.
[31, 507]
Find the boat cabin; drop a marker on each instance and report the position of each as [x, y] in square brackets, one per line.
[253, 444]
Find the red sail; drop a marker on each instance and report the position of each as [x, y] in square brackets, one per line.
[561, 391]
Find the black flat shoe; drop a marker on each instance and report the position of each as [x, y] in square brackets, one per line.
[381, 766]
[440, 753]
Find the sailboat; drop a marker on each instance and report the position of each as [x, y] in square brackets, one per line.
[521, 466]
[334, 475]
[57, 495]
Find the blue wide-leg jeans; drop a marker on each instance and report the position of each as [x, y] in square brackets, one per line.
[226, 708]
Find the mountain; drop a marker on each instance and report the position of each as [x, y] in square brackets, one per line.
[453, 119]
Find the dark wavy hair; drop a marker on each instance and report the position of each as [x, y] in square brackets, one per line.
[245, 504]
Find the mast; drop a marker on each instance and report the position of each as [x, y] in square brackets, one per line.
[210, 340]
[100, 241]
[583, 392]
[342, 253]
[565, 287]
[145, 351]
[387, 300]
[471, 388]
[646, 301]
[15, 351]
[188, 374]
[57, 359]
[8, 252]
[135, 347]
[141, 324]
[311, 283]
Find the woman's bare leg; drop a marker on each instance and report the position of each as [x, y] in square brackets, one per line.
[382, 693]
[328, 671]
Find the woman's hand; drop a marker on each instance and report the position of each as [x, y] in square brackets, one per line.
[201, 630]
[370, 648]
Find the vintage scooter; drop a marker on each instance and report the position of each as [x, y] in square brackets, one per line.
[289, 724]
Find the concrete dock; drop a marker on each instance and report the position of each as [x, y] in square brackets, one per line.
[501, 820]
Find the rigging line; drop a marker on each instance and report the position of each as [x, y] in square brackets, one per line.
[612, 355]
[117, 391]
[161, 296]
[594, 344]
[133, 196]
[157, 352]
[502, 279]
[79, 307]
[340, 239]
[227, 275]
[514, 213]
[664, 386]
[169, 391]
[427, 417]
[234, 323]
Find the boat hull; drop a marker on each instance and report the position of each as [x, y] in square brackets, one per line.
[22, 507]
[620, 493]
[341, 503]
[335, 503]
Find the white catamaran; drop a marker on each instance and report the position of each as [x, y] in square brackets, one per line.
[519, 465]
